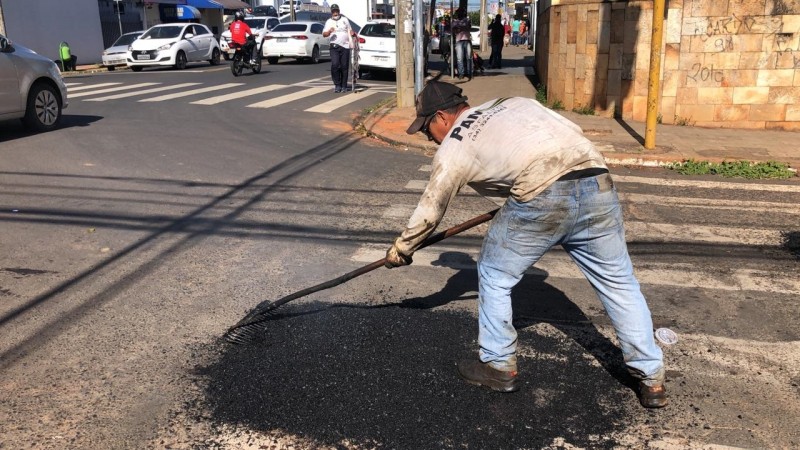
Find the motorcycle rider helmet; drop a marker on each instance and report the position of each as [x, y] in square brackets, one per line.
[238, 16]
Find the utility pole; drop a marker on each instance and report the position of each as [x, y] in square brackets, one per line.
[291, 11]
[653, 84]
[119, 19]
[405, 54]
[482, 23]
[2, 21]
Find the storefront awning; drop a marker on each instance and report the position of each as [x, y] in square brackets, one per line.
[232, 4]
[186, 12]
[204, 4]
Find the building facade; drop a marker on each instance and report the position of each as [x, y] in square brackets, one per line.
[731, 63]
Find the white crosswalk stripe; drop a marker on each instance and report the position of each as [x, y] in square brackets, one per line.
[71, 89]
[112, 89]
[142, 92]
[240, 94]
[339, 102]
[191, 92]
[287, 98]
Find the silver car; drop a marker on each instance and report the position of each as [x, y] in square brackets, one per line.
[31, 87]
[115, 55]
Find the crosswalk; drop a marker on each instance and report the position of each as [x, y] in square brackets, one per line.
[202, 94]
[557, 264]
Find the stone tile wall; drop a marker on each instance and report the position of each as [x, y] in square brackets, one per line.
[724, 63]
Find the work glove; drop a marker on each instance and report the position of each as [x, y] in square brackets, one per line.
[396, 259]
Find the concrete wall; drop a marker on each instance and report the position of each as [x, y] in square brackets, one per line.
[725, 63]
[41, 25]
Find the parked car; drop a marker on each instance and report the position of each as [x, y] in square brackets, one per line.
[31, 87]
[301, 40]
[475, 37]
[265, 10]
[286, 7]
[116, 54]
[377, 47]
[173, 44]
[259, 25]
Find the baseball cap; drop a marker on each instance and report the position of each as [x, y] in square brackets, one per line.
[435, 96]
[334, 7]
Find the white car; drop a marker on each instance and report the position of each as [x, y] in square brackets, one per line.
[173, 44]
[31, 87]
[259, 25]
[285, 7]
[377, 47]
[475, 37]
[301, 40]
[116, 54]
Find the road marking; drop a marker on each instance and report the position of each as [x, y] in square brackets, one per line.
[191, 92]
[287, 98]
[241, 94]
[144, 92]
[557, 264]
[89, 86]
[114, 89]
[417, 185]
[72, 84]
[708, 184]
[667, 232]
[705, 203]
[426, 168]
[339, 102]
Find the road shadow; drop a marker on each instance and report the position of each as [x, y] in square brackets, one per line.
[384, 376]
[14, 129]
[534, 302]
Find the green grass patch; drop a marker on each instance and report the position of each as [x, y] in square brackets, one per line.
[734, 169]
[557, 105]
[585, 110]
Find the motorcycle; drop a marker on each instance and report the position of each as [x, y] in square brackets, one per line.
[241, 61]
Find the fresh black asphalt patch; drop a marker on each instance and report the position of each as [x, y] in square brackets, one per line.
[384, 376]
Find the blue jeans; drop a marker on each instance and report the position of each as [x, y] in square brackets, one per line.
[514, 37]
[464, 58]
[585, 218]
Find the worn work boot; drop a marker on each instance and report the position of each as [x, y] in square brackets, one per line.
[482, 374]
[654, 396]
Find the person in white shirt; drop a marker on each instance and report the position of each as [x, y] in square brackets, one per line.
[337, 28]
[554, 189]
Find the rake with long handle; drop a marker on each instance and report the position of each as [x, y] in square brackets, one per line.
[247, 330]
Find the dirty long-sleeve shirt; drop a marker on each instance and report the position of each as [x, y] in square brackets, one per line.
[513, 146]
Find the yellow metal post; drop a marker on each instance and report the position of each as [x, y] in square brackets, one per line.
[655, 73]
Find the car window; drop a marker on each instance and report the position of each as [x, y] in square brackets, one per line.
[199, 29]
[254, 23]
[316, 28]
[125, 39]
[165, 32]
[385, 30]
[271, 23]
[290, 27]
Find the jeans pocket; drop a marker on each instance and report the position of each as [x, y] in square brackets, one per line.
[533, 231]
[606, 232]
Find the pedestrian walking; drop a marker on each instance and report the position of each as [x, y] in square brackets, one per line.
[515, 32]
[555, 189]
[496, 35]
[507, 39]
[461, 28]
[523, 36]
[338, 29]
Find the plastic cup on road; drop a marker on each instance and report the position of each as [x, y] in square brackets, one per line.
[666, 336]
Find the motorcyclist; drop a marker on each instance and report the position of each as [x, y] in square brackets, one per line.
[239, 33]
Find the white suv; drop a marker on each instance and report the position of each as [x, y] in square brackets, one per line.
[31, 87]
[173, 44]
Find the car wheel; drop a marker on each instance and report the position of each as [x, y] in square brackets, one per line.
[361, 73]
[180, 61]
[136, 68]
[111, 68]
[272, 59]
[315, 55]
[43, 112]
[214, 57]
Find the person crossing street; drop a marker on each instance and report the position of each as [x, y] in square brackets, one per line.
[338, 29]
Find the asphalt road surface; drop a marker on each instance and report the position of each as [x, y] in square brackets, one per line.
[171, 203]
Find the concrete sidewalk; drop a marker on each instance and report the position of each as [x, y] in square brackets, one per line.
[619, 141]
